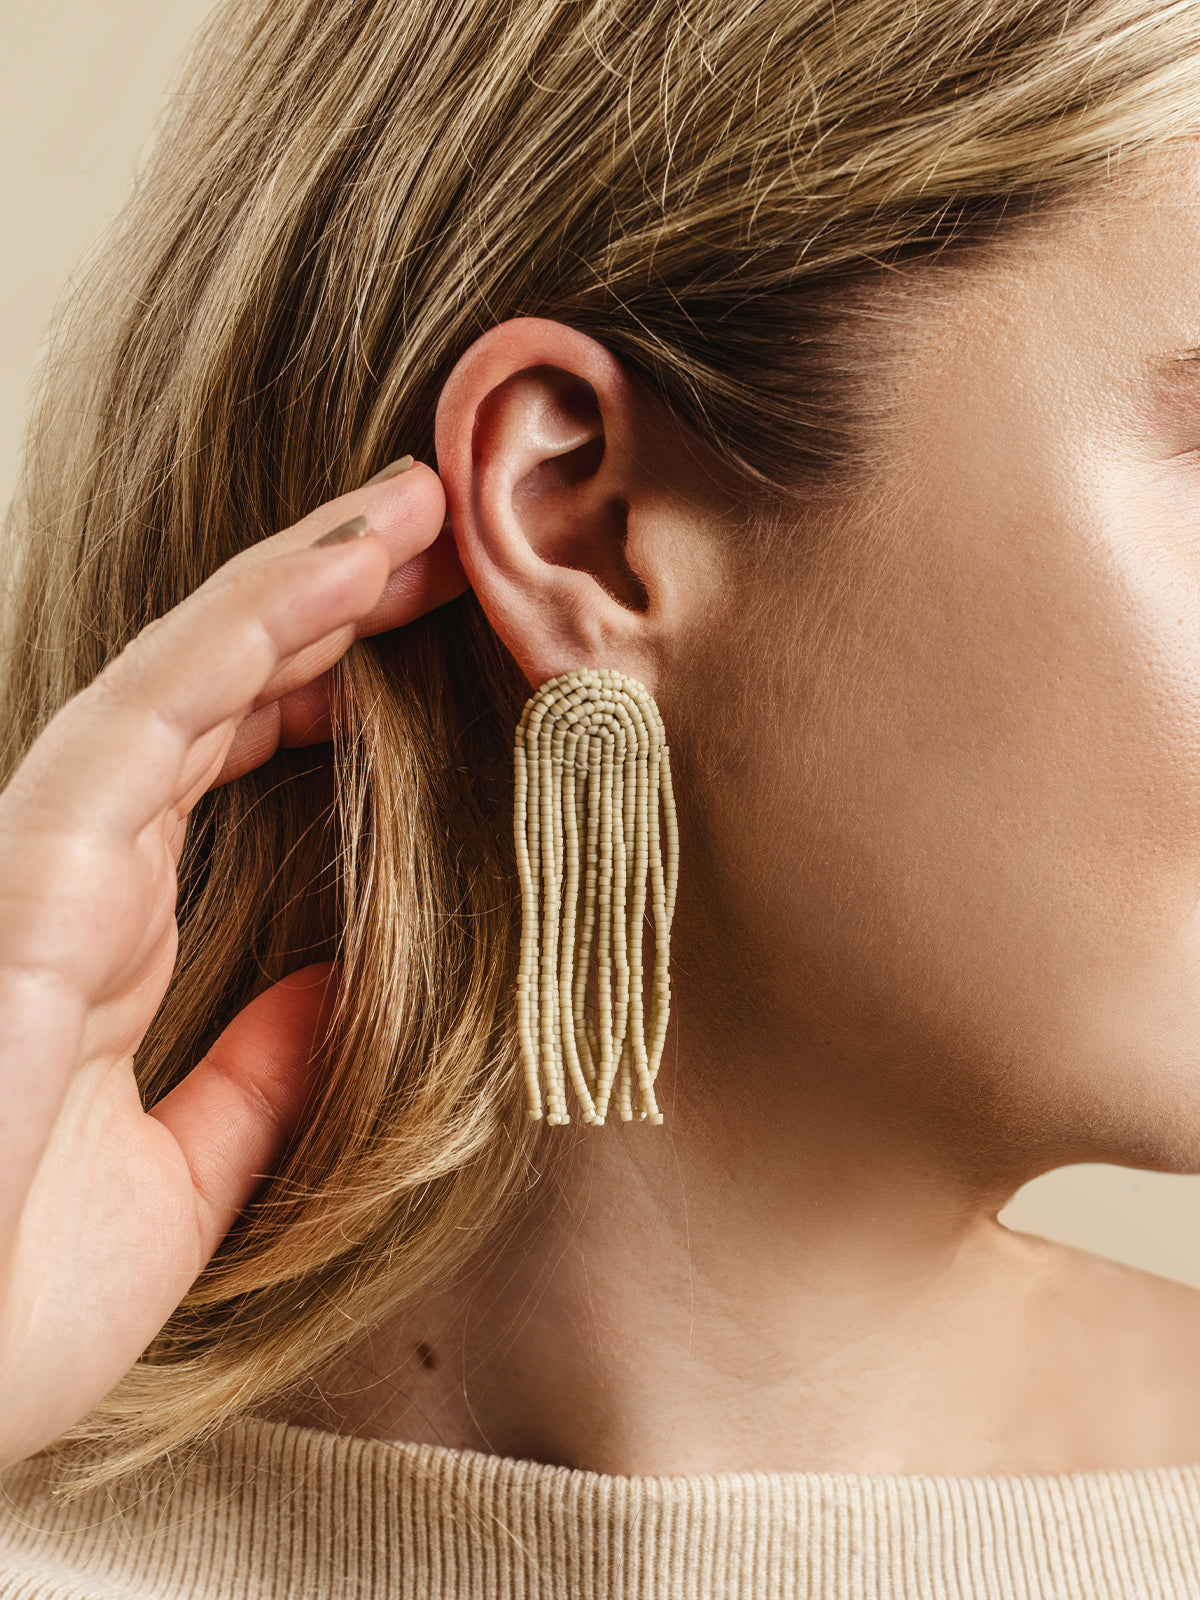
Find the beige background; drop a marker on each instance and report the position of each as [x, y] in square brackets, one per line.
[80, 87]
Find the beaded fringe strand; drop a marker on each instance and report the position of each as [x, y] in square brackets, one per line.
[592, 766]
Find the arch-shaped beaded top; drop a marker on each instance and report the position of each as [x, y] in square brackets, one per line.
[592, 773]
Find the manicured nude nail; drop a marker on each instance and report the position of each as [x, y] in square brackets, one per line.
[354, 529]
[392, 470]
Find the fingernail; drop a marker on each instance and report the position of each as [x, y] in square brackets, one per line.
[392, 470]
[354, 529]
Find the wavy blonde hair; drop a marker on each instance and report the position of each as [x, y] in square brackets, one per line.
[343, 195]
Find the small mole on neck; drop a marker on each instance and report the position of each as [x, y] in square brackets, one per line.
[427, 1356]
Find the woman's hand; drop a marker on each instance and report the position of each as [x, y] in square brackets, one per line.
[108, 1212]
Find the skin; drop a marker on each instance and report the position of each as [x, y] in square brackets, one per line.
[937, 929]
[937, 759]
[107, 1212]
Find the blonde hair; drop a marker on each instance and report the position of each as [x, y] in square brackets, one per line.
[344, 194]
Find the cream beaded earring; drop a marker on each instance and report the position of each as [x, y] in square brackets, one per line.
[591, 769]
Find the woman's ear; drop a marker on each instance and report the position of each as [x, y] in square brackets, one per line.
[540, 436]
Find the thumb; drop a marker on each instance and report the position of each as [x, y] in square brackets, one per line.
[234, 1112]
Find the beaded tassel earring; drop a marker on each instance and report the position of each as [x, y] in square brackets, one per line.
[592, 767]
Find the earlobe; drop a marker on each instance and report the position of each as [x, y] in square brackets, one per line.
[535, 433]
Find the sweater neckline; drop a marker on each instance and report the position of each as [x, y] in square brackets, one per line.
[473, 1464]
[275, 1510]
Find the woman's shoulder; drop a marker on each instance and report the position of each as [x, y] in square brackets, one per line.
[1126, 1343]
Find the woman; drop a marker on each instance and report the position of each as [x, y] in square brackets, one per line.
[831, 372]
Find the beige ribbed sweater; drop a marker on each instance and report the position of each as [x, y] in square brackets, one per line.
[270, 1511]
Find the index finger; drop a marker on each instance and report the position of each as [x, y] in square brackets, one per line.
[302, 714]
[406, 511]
[151, 731]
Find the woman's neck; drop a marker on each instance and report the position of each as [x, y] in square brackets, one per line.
[781, 1282]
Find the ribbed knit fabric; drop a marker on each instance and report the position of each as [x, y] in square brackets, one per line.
[270, 1511]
